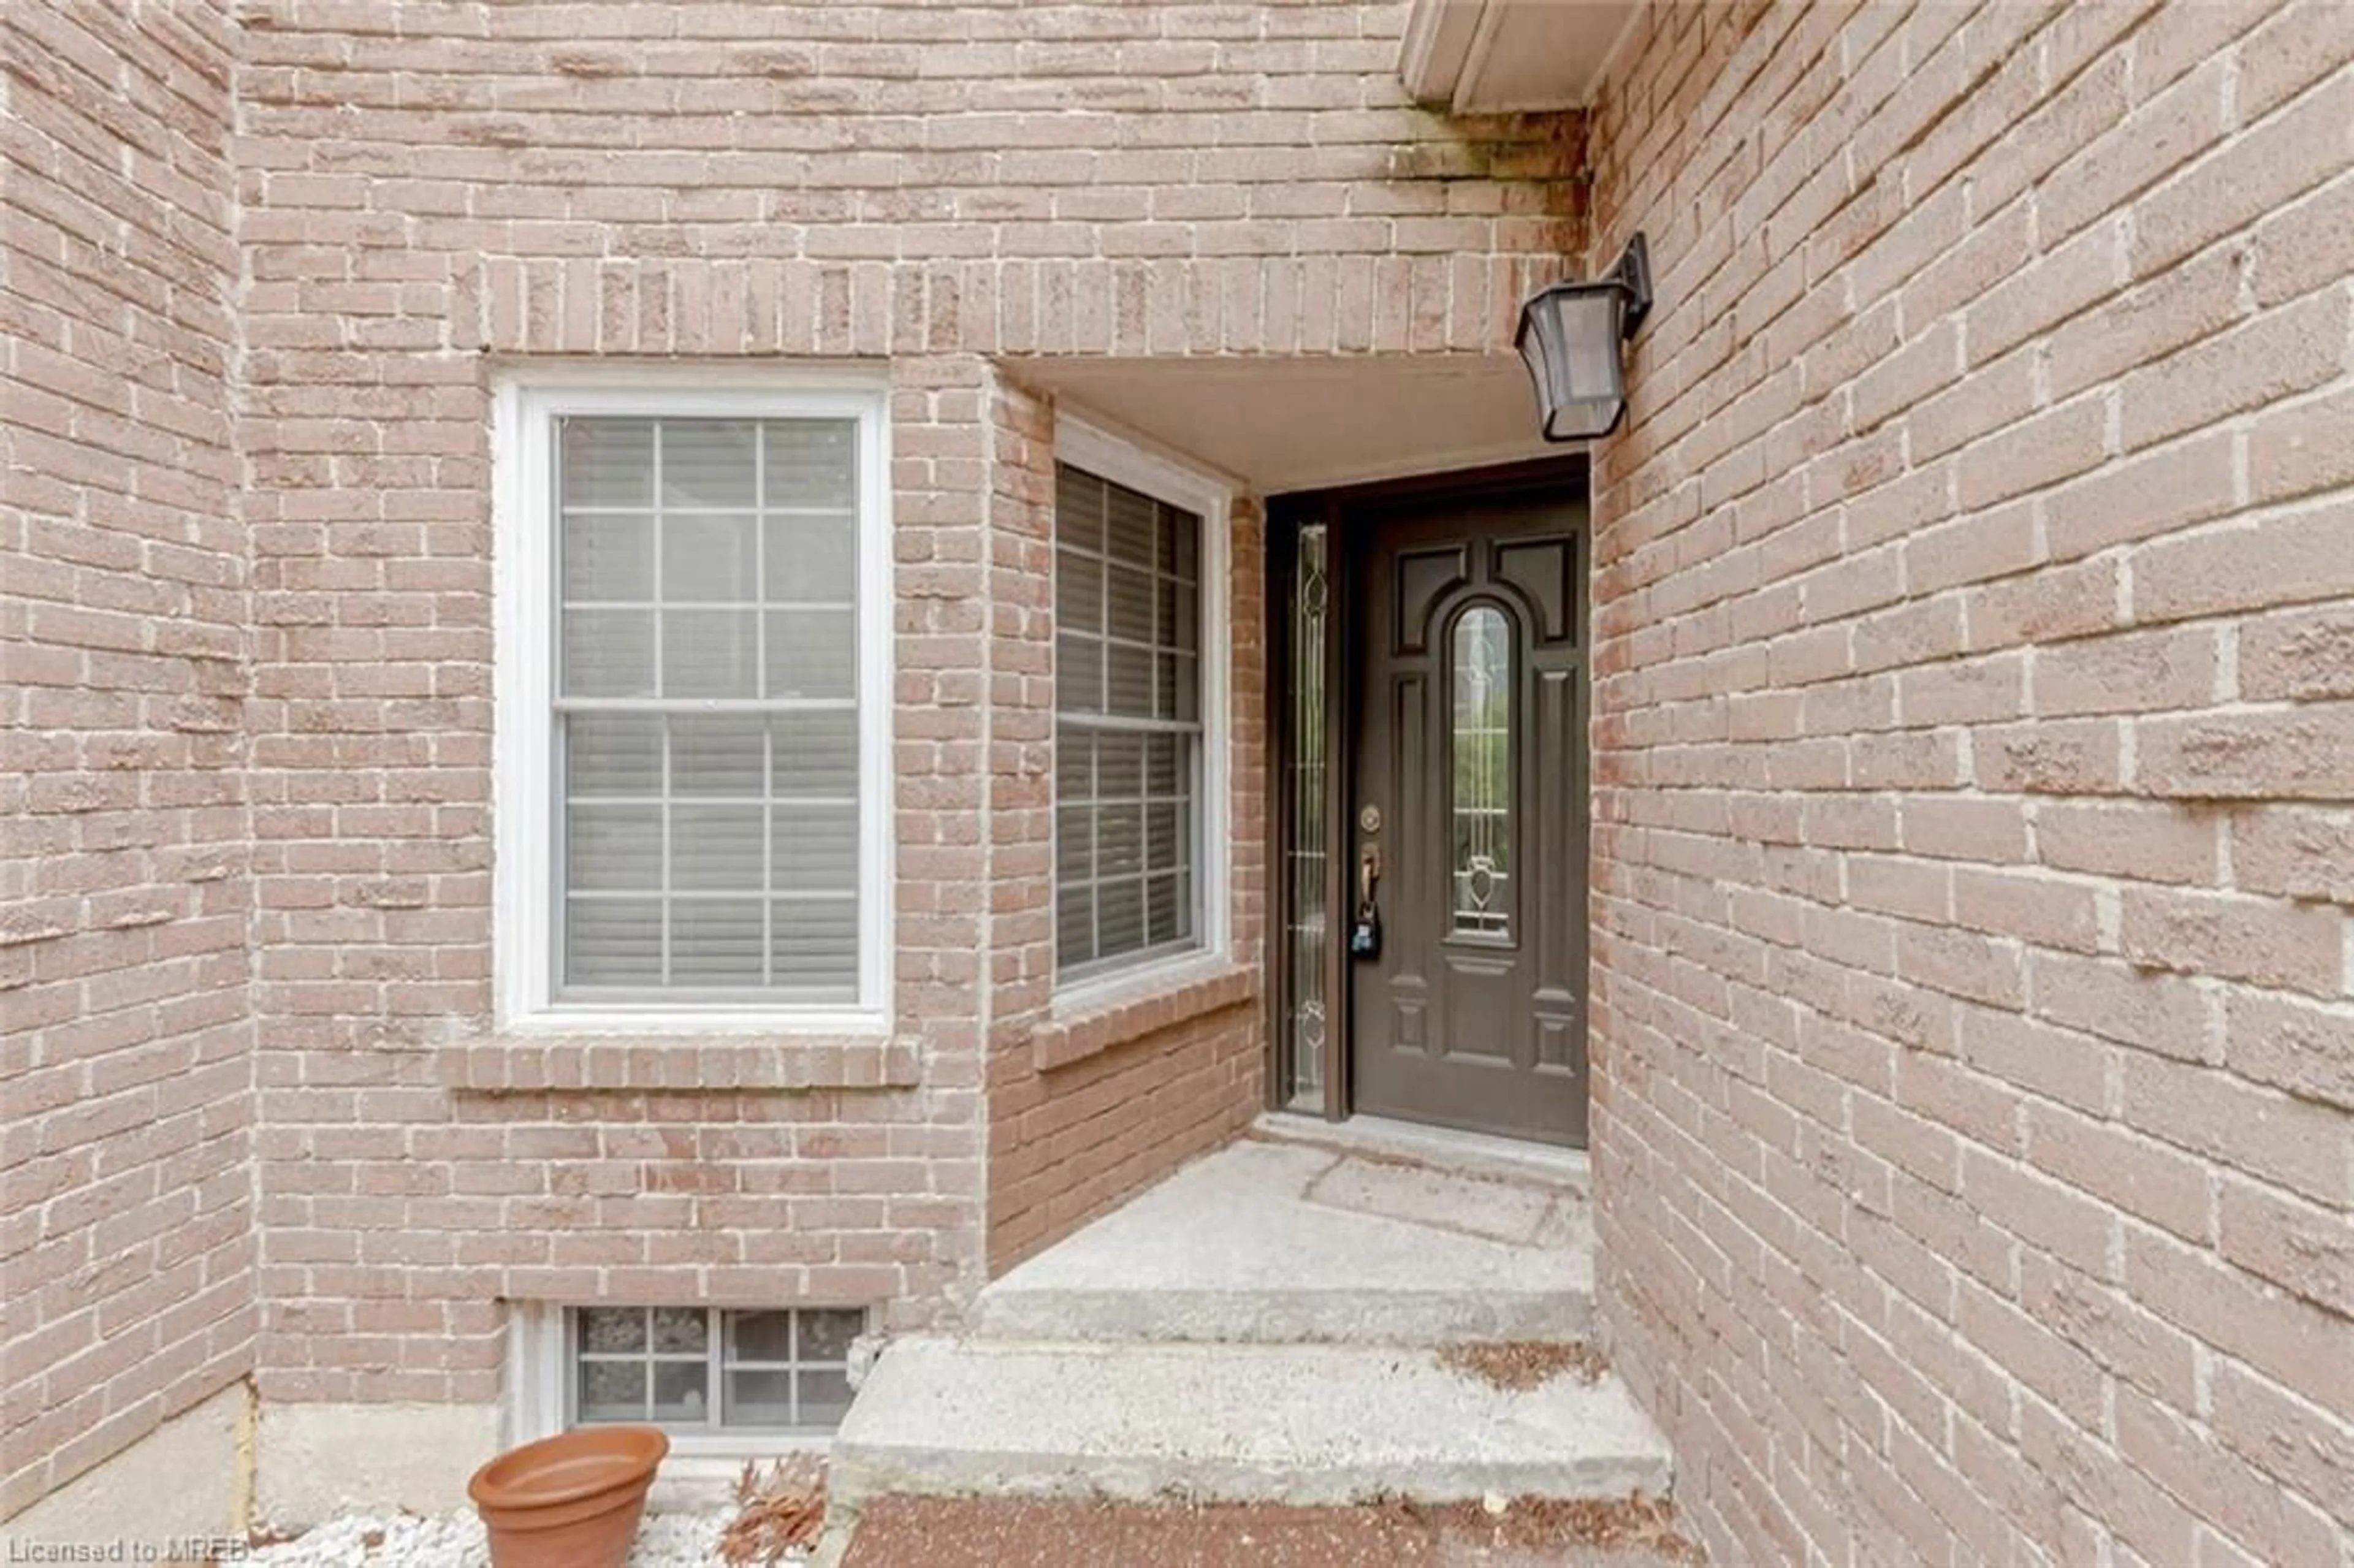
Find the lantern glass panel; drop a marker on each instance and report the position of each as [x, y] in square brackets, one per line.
[1572, 347]
[1588, 385]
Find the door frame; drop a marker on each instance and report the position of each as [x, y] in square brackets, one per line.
[1286, 516]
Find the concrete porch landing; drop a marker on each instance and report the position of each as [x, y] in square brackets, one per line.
[1287, 1242]
[1265, 1326]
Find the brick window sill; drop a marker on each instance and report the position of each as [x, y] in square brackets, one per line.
[679, 1064]
[1102, 1024]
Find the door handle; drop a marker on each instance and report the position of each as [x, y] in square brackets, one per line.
[1365, 933]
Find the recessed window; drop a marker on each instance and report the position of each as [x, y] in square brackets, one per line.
[1128, 725]
[693, 780]
[689, 1369]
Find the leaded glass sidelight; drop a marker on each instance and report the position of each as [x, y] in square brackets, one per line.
[1480, 805]
[1309, 853]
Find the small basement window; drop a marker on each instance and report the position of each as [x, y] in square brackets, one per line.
[696, 1369]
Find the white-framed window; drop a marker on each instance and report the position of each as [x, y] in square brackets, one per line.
[1139, 709]
[726, 1383]
[692, 1369]
[693, 727]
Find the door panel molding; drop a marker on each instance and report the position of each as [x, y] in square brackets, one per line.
[1450, 1026]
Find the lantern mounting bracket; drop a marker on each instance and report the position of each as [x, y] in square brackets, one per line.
[1632, 273]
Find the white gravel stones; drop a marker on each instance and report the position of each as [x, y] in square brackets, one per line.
[362, 1540]
[455, 1540]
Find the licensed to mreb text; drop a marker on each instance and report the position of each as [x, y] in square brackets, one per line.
[188, 1549]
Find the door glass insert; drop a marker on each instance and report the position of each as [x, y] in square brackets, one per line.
[1481, 807]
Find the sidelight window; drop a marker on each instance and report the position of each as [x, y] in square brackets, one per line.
[1307, 1012]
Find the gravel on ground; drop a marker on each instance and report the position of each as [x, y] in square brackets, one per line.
[774, 1522]
[455, 1540]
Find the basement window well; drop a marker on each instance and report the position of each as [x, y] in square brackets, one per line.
[694, 1370]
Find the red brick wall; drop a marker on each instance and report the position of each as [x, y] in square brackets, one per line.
[126, 1220]
[431, 190]
[1975, 761]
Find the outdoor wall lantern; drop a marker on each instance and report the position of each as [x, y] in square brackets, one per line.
[1570, 335]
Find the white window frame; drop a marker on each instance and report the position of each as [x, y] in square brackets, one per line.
[1096, 450]
[536, 1401]
[525, 408]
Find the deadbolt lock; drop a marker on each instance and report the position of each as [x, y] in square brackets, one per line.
[1369, 819]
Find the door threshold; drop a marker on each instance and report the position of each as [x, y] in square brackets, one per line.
[1442, 1148]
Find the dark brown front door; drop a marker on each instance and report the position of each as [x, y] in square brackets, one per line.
[1469, 795]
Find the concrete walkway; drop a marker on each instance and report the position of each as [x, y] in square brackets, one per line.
[1264, 1328]
[1289, 1243]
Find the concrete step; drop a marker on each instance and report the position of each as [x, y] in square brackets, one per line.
[1282, 1242]
[1315, 1424]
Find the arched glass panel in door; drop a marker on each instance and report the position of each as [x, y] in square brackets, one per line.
[1481, 773]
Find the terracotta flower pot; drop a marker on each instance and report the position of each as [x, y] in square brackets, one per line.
[569, 1502]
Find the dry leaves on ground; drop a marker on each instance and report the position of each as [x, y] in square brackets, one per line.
[1519, 1365]
[781, 1511]
[1034, 1532]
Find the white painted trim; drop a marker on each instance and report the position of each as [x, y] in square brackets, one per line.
[1443, 57]
[1438, 38]
[534, 1406]
[1108, 455]
[1475, 55]
[853, 1025]
[520, 585]
[525, 407]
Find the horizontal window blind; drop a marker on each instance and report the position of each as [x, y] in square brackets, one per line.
[1128, 731]
[707, 708]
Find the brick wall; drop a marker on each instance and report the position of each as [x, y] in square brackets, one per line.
[431, 190]
[1084, 1109]
[1974, 767]
[126, 1240]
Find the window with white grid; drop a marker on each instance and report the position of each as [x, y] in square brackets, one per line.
[700, 569]
[1128, 725]
[692, 1369]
